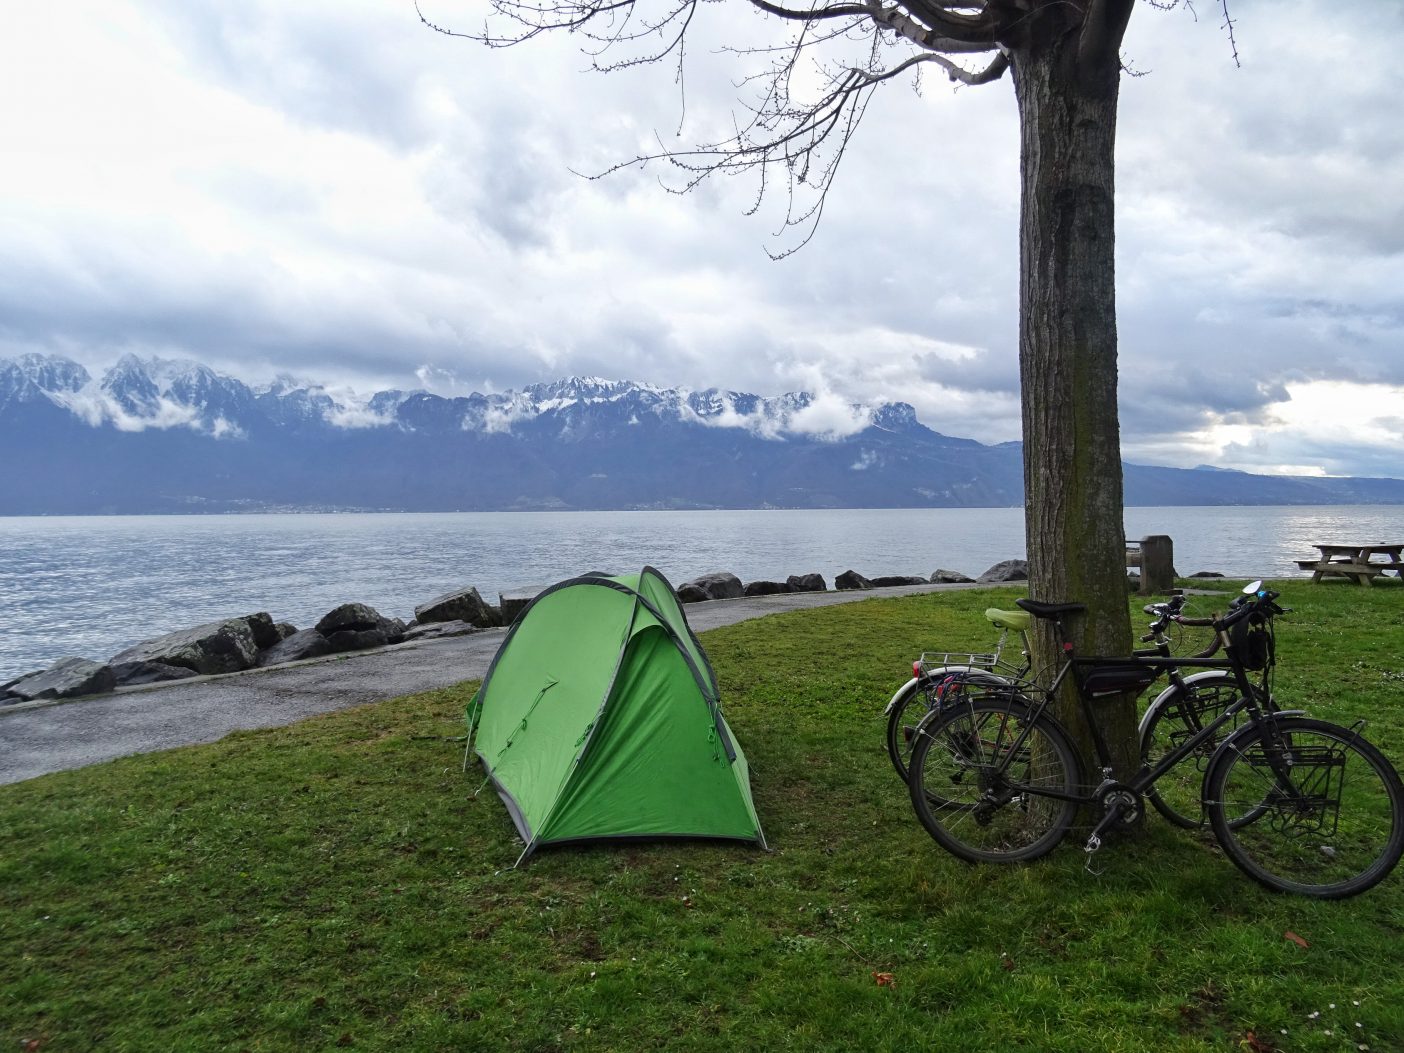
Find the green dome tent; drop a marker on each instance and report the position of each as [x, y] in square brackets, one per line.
[599, 718]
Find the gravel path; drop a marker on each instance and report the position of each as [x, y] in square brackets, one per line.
[41, 737]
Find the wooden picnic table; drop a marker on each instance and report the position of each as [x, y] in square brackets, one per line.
[1356, 562]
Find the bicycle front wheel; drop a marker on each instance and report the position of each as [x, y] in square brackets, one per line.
[981, 774]
[1173, 719]
[1312, 809]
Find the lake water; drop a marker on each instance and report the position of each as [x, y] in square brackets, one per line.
[91, 586]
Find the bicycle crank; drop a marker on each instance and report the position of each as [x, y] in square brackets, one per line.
[1121, 807]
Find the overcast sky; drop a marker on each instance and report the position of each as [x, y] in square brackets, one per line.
[327, 188]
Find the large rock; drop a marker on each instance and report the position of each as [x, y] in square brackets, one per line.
[807, 583]
[7, 699]
[766, 588]
[690, 593]
[720, 585]
[351, 617]
[888, 581]
[66, 678]
[356, 627]
[435, 630]
[1008, 570]
[265, 633]
[463, 605]
[308, 643]
[514, 601]
[851, 580]
[215, 647]
[127, 674]
[950, 577]
[362, 639]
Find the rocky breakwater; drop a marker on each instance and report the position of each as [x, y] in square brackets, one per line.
[250, 641]
[723, 585]
[254, 641]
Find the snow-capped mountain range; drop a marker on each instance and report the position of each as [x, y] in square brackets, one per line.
[154, 435]
[138, 394]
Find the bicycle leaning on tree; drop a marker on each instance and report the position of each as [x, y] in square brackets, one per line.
[1300, 805]
[1177, 713]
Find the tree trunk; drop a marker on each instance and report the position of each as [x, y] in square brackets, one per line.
[1067, 360]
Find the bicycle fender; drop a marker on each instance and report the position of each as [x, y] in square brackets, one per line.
[901, 692]
[984, 676]
[1237, 734]
[1165, 696]
[1244, 729]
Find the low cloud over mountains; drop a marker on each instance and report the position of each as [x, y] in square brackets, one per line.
[152, 435]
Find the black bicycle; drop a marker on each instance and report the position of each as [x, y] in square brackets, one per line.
[1300, 805]
[1181, 711]
[1175, 715]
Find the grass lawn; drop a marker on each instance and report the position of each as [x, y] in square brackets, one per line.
[336, 884]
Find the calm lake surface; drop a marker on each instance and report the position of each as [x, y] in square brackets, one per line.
[91, 586]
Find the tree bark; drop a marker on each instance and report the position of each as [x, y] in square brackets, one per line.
[1067, 358]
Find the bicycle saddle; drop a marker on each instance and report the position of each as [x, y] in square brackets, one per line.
[1019, 621]
[1050, 610]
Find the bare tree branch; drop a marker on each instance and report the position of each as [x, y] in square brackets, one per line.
[796, 118]
[837, 11]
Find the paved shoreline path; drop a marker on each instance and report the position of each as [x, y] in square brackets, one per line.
[42, 737]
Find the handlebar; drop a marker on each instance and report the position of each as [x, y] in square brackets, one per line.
[1260, 603]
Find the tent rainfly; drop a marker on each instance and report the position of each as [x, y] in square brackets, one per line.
[600, 719]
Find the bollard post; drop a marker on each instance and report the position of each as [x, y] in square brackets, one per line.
[1157, 565]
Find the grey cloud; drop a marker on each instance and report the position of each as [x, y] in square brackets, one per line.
[1378, 460]
[343, 66]
[1257, 219]
[986, 371]
[1304, 138]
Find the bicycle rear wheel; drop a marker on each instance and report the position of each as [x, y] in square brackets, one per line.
[976, 771]
[914, 701]
[911, 706]
[1316, 810]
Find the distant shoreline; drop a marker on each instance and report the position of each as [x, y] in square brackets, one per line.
[319, 511]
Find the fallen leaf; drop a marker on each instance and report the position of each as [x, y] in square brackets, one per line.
[885, 979]
[344, 1040]
[1290, 935]
[1256, 1045]
[1006, 963]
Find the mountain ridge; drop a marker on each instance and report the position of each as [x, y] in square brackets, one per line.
[174, 435]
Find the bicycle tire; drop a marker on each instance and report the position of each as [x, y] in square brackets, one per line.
[901, 728]
[1175, 716]
[967, 805]
[1338, 831]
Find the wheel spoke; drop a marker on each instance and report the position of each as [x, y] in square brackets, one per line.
[1315, 810]
[974, 776]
